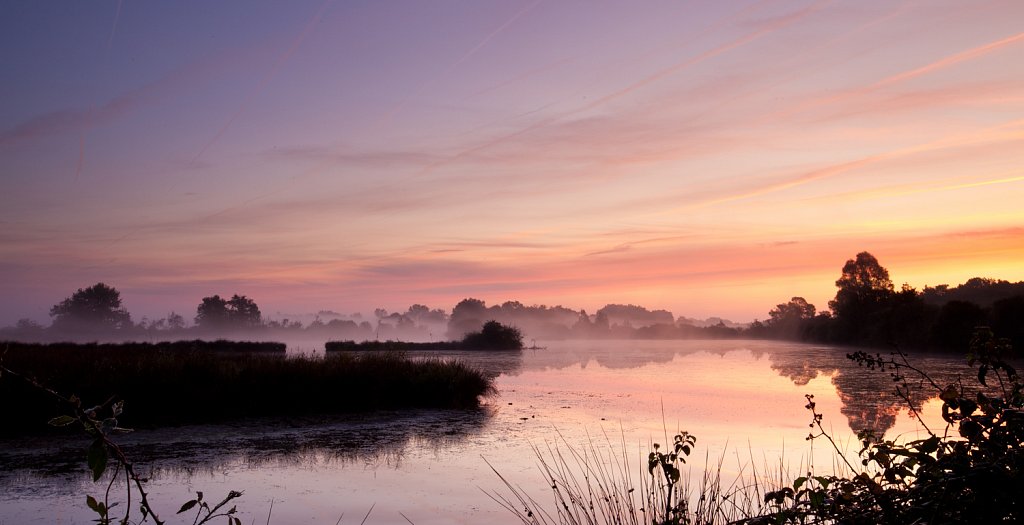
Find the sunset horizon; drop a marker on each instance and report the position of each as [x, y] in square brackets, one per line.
[705, 159]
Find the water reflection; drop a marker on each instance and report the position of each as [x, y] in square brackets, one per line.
[380, 438]
[869, 399]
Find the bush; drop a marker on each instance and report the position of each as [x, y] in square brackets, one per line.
[494, 336]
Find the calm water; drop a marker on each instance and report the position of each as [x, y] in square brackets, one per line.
[742, 399]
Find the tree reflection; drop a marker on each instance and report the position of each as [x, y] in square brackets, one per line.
[869, 399]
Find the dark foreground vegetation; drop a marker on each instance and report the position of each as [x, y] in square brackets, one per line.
[186, 382]
[492, 336]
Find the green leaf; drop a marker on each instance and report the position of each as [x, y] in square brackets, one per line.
[61, 421]
[188, 505]
[799, 482]
[97, 458]
[93, 504]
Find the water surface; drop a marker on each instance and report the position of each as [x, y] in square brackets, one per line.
[743, 399]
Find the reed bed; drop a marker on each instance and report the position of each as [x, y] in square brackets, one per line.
[597, 483]
[168, 385]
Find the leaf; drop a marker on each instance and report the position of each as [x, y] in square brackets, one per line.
[799, 482]
[61, 421]
[188, 505]
[950, 394]
[97, 458]
[93, 504]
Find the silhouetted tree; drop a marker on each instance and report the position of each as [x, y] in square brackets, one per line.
[95, 308]
[787, 319]
[467, 316]
[1008, 319]
[864, 292]
[955, 324]
[237, 312]
[175, 321]
[213, 313]
[244, 311]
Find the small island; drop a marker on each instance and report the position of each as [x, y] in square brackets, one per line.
[492, 336]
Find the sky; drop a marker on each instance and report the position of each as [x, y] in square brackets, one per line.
[708, 158]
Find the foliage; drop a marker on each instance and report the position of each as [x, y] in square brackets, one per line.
[973, 476]
[97, 307]
[867, 311]
[239, 312]
[494, 336]
[786, 319]
[665, 476]
[864, 289]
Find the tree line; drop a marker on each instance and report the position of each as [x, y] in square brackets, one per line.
[867, 310]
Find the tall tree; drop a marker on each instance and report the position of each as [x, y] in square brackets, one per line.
[864, 292]
[244, 312]
[237, 312]
[97, 307]
[212, 312]
[787, 319]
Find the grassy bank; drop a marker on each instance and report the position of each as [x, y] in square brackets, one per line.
[190, 383]
[389, 346]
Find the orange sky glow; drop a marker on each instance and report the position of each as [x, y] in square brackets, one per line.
[708, 158]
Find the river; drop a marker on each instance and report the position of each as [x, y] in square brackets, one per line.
[744, 400]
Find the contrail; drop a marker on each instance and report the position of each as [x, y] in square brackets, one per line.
[951, 60]
[837, 169]
[940, 64]
[113, 28]
[271, 73]
[783, 22]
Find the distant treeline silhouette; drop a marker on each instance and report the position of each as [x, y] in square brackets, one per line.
[867, 310]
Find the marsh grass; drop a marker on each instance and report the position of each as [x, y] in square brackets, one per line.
[597, 483]
[183, 385]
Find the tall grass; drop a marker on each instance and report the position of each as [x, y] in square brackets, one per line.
[599, 484]
[164, 386]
